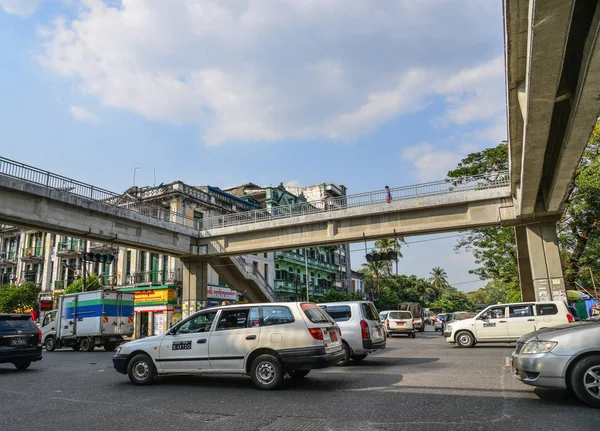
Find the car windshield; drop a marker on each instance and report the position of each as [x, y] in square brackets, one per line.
[382, 316]
[16, 323]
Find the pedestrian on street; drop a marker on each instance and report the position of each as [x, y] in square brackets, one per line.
[388, 194]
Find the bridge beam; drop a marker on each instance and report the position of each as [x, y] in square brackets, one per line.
[540, 269]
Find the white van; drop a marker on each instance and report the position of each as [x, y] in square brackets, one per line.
[507, 322]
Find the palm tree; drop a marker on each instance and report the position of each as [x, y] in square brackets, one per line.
[377, 269]
[439, 279]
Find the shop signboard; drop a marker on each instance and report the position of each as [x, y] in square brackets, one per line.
[224, 293]
[154, 297]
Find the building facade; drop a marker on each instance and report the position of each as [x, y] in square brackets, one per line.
[322, 268]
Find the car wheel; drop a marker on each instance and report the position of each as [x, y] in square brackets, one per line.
[267, 372]
[22, 365]
[358, 358]
[50, 344]
[140, 370]
[299, 374]
[347, 355]
[584, 380]
[464, 339]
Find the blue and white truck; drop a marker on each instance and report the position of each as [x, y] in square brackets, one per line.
[86, 320]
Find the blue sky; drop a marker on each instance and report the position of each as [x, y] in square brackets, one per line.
[362, 93]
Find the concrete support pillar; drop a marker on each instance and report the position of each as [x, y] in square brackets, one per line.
[540, 269]
[195, 285]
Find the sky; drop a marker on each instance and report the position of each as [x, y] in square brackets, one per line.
[364, 93]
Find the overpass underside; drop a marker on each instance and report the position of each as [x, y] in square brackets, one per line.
[553, 98]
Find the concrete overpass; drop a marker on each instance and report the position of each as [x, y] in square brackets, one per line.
[553, 101]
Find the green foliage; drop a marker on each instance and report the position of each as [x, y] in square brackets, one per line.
[91, 283]
[18, 299]
[336, 296]
[453, 300]
[483, 162]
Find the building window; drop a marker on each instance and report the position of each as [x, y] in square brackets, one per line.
[128, 264]
[142, 261]
[198, 220]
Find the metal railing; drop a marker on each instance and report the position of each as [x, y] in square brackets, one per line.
[8, 256]
[313, 262]
[70, 246]
[254, 275]
[154, 277]
[379, 197]
[37, 251]
[30, 174]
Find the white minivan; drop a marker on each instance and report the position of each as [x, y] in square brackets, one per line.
[508, 322]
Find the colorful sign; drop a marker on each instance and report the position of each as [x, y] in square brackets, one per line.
[154, 297]
[214, 292]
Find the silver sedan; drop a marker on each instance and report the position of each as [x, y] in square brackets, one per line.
[565, 357]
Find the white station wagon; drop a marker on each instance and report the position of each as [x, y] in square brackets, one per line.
[508, 322]
[265, 341]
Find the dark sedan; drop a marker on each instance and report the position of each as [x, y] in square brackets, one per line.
[20, 340]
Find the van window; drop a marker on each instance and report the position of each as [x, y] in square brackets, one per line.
[520, 311]
[546, 309]
[315, 314]
[339, 313]
[368, 310]
[400, 315]
[275, 315]
[16, 322]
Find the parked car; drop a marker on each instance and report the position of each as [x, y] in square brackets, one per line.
[438, 322]
[20, 340]
[362, 331]
[507, 322]
[400, 322]
[455, 317]
[565, 357]
[265, 341]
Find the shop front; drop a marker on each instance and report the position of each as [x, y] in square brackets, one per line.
[217, 295]
[156, 309]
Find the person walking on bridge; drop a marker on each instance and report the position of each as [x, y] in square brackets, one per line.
[388, 194]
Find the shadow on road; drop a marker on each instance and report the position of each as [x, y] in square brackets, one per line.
[557, 396]
[382, 361]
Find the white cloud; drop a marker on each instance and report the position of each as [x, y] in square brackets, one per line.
[292, 183]
[82, 114]
[429, 163]
[273, 70]
[22, 8]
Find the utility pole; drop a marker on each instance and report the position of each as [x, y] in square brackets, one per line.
[306, 270]
[593, 282]
[83, 266]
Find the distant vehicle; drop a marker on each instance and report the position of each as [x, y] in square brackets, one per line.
[362, 331]
[20, 340]
[455, 317]
[265, 341]
[89, 319]
[417, 313]
[564, 357]
[439, 321]
[399, 322]
[507, 322]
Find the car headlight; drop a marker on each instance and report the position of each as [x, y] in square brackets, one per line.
[449, 328]
[118, 350]
[534, 346]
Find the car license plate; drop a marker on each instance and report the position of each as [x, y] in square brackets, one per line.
[333, 336]
[18, 341]
[401, 324]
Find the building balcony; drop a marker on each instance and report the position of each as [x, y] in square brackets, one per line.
[30, 277]
[65, 248]
[33, 253]
[154, 278]
[8, 258]
[299, 259]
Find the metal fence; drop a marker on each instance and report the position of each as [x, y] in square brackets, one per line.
[447, 186]
[33, 175]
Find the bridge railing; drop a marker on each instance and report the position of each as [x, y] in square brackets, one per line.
[30, 174]
[447, 186]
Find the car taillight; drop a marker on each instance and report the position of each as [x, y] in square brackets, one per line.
[387, 322]
[570, 318]
[316, 333]
[364, 329]
[39, 336]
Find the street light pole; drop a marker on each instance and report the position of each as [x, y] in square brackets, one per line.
[306, 271]
[83, 266]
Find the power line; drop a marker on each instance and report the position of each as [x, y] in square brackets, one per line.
[415, 242]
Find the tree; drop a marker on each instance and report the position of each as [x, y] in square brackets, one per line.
[19, 299]
[439, 279]
[494, 249]
[390, 244]
[91, 283]
[453, 300]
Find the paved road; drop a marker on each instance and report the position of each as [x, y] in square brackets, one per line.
[420, 384]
